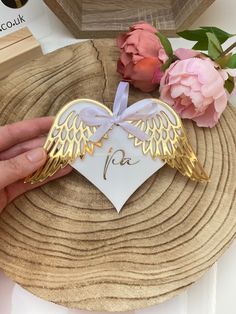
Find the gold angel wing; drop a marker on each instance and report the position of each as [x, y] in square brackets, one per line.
[168, 141]
[67, 140]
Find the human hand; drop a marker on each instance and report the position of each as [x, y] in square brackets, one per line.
[21, 154]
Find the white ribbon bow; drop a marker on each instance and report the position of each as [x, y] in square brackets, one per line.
[121, 115]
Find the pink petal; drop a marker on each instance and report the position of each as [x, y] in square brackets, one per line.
[125, 58]
[191, 81]
[144, 26]
[149, 45]
[120, 67]
[208, 119]
[162, 55]
[130, 49]
[207, 101]
[195, 66]
[179, 68]
[196, 86]
[128, 71]
[121, 39]
[205, 69]
[145, 69]
[183, 53]
[165, 95]
[178, 90]
[133, 38]
[157, 75]
[189, 112]
[186, 101]
[137, 58]
[174, 80]
[221, 103]
[178, 106]
[188, 80]
[197, 99]
[214, 88]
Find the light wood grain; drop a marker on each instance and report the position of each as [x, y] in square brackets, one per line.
[66, 243]
[105, 18]
[14, 37]
[16, 49]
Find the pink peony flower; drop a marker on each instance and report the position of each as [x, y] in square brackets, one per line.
[195, 89]
[141, 56]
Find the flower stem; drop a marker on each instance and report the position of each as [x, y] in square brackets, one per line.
[228, 49]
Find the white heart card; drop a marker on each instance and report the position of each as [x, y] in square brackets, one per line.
[118, 151]
[117, 168]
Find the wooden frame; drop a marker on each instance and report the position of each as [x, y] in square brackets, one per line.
[106, 18]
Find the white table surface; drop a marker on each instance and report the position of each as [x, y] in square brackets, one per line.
[215, 292]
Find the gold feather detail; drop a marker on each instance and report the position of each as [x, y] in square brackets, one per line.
[67, 140]
[168, 141]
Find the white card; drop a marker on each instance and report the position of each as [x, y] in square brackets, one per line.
[117, 168]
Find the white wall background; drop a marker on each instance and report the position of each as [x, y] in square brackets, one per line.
[215, 292]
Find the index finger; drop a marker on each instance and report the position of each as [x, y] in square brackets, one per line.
[19, 132]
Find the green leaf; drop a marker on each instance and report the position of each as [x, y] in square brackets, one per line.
[224, 60]
[193, 35]
[201, 45]
[229, 84]
[166, 44]
[221, 35]
[166, 65]
[200, 36]
[214, 47]
[232, 62]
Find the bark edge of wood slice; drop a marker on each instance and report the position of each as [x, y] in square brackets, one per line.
[64, 242]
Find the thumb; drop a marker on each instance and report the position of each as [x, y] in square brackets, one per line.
[21, 166]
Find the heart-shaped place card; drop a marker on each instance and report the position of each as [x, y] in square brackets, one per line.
[117, 151]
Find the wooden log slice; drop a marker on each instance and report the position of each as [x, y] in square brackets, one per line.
[65, 242]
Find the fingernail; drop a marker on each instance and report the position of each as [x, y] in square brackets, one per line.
[36, 155]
